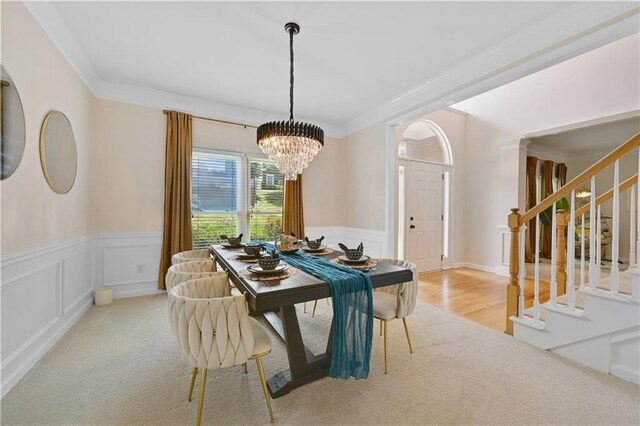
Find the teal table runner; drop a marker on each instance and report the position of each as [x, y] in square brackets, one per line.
[352, 297]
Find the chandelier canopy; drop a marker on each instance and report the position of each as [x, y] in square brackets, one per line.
[291, 145]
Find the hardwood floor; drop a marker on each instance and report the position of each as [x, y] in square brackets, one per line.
[476, 295]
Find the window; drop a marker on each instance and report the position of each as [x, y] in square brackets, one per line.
[266, 191]
[232, 194]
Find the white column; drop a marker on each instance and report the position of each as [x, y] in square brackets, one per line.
[593, 239]
[615, 243]
[571, 255]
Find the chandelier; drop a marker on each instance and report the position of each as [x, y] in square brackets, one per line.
[291, 145]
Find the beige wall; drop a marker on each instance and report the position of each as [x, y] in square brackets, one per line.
[32, 214]
[363, 162]
[127, 168]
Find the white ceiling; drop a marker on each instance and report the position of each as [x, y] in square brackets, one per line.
[592, 139]
[351, 58]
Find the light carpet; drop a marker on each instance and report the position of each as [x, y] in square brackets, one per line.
[119, 365]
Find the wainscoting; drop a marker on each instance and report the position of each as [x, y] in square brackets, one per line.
[44, 291]
[127, 262]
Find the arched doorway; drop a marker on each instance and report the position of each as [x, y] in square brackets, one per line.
[424, 175]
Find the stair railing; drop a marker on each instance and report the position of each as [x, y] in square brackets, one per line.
[563, 271]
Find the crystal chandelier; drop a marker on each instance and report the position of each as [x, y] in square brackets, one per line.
[291, 145]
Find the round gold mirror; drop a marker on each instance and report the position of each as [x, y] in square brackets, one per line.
[12, 127]
[58, 153]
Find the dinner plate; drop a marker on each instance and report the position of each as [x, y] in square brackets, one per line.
[231, 246]
[310, 250]
[243, 255]
[363, 259]
[256, 269]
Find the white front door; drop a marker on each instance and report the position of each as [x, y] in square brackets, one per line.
[424, 214]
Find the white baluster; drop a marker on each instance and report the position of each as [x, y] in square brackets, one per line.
[593, 239]
[554, 238]
[523, 270]
[632, 228]
[582, 252]
[615, 243]
[638, 218]
[571, 254]
[536, 276]
[599, 246]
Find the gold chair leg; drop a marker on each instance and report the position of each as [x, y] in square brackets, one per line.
[305, 308]
[386, 370]
[380, 327]
[244, 368]
[203, 385]
[194, 374]
[263, 381]
[315, 305]
[406, 330]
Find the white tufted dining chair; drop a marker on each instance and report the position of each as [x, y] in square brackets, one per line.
[190, 256]
[395, 302]
[213, 330]
[185, 271]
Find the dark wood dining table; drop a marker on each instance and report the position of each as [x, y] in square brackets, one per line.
[276, 301]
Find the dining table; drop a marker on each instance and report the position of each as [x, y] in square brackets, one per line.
[276, 300]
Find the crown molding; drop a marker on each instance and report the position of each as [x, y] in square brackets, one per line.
[576, 29]
[54, 26]
[586, 124]
[199, 106]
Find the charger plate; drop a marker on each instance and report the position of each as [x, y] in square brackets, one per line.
[369, 264]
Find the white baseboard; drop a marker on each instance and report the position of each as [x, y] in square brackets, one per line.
[45, 291]
[494, 270]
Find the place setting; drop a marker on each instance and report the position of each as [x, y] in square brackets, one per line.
[355, 258]
[250, 253]
[232, 242]
[267, 267]
[315, 247]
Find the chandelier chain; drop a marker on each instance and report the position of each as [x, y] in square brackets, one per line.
[291, 31]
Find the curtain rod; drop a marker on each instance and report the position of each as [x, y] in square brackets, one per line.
[218, 121]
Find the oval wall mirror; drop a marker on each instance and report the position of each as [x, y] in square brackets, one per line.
[12, 126]
[58, 153]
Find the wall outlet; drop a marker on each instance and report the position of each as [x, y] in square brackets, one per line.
[140, 268]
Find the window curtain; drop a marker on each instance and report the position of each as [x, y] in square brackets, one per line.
[293, 210]
[547, 189]
[176, 236]
[561, 174]
[530, 242]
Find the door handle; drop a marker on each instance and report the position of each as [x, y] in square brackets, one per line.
[412, 226]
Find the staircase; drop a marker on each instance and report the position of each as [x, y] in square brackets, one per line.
[592, 315]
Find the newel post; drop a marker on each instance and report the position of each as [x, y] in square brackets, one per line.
[513, 289]
[561, 253]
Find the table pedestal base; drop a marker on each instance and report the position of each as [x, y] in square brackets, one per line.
[304, 366]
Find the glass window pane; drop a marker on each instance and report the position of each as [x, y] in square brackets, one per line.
[207, 228]
[265, 198]
[214, 182]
